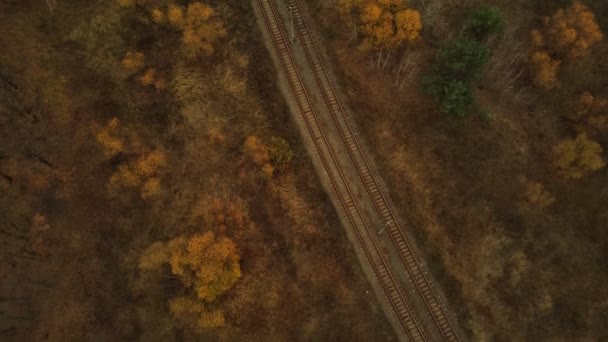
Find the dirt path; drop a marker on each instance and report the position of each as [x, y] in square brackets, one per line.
[354, 183]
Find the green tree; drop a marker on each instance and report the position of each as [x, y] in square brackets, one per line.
[484, 21]
[280, 153]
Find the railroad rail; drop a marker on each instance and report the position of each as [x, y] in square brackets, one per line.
[414, 269]
[378, 264]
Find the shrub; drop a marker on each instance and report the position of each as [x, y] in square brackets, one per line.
[454, 95]
[464, 58]
[280, 153]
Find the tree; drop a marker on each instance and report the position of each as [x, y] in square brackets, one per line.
[576, 158]
[386, 24]
[208, 264]
[463, 58]
[483, 21]
[568, 34]
[459, 63]
[591, 113]
[537, 195]
[571, 32]
[544, 69]
[200, 27]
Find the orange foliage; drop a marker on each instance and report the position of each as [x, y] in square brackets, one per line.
[591, 113]
[148, 77]
[544, 69]
[387, 23]
[133, 61]
[258, 151]
[571, 32]
[208, 264]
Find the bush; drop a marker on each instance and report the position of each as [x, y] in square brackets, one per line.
[454, 95]
[280, 153]
[460, 62]
[464, 58]
[484, 21]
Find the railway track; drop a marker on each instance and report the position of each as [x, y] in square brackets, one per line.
[378, 264]
[414, 269]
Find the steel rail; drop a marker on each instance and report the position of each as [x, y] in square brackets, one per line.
[380, 267]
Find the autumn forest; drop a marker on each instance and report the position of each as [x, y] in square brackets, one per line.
[155, 186]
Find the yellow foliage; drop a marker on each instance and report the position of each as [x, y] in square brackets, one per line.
[125, 177]
[150, 189]
[175, 15]
[576, 158]
[387, 23]
[150, 163]
[154, 256]
[209, 265]
[537, 195]
[202, 28]
[158, 16]
[544, 69]
[193, 314]
[108, 138]
[408, 24]
[133, 61]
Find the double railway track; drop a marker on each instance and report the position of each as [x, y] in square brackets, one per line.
[414, 269]
[362, 230]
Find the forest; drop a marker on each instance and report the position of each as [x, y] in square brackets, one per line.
[154, 186]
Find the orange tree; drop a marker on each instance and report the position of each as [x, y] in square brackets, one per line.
[385, 24]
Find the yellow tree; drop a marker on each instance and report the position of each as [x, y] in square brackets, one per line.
[109, 137]
[576, 158]
[205, 263]
[387, 23]
[200, 26]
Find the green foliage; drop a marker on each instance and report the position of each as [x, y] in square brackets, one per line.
[280, 153]
[484, 21]
[454, 95]
[464, 58]
[459, 62]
